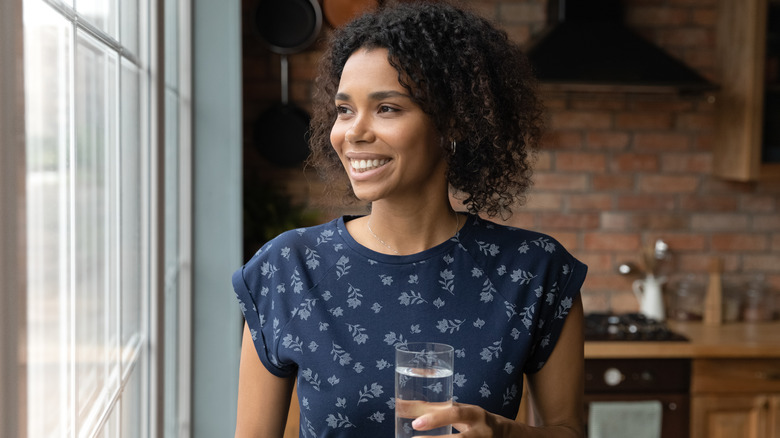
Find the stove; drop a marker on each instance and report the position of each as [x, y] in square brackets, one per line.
[627, 327]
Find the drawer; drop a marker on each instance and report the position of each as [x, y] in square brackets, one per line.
[732, 376]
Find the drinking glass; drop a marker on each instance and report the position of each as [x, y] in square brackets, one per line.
[423, 382]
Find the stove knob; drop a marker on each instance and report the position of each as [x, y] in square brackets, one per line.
[613, 377]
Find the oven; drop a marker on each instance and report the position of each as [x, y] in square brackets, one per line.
[617, 386]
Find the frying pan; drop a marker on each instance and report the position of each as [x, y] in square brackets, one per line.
[286, 26]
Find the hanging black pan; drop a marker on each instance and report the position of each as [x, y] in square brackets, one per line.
[286, 26]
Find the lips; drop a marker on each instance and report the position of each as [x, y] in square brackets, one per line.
[366, 165]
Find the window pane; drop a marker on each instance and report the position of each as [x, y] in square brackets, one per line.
[172, 43]
[95, 129]
[131, 204]
[132, 406]
[100, 13]
[128, 26]
[48, 48]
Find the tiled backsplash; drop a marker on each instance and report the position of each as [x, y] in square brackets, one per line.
[617, 170]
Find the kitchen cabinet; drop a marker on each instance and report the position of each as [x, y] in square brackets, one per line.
[748, 121]
[735, 398]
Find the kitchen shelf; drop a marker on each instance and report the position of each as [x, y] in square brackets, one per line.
[727, 341]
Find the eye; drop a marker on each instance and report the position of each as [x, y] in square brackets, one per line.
[387, 109]
[341, 109]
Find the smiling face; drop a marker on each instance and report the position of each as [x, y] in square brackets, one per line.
[387, 144]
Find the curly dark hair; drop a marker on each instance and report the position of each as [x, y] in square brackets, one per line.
[475, 84]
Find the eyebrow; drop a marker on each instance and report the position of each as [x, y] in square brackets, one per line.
[376, 95]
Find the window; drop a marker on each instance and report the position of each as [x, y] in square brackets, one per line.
[105, 259]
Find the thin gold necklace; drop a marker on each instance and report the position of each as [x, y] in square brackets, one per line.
[368, 225]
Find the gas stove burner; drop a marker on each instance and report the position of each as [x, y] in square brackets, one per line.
[627, 327]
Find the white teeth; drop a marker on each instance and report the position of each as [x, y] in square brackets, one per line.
[364, 165]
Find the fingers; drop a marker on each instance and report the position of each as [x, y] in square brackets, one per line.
[460, 416]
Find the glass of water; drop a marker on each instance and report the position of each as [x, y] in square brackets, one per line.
[423, 382]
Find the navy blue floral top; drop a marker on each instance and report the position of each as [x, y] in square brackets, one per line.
[329, 311]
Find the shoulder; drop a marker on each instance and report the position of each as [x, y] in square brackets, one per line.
[309, 248]
[511, 250]
[507, 238]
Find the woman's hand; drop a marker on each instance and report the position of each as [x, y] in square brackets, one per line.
[474, 422]
[556, 391]
[470, 420]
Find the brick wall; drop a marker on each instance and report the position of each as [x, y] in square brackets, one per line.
[616, 172]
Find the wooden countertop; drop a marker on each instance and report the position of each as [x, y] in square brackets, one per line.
[731, 340]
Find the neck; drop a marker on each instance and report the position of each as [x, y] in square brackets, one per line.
[398, 231]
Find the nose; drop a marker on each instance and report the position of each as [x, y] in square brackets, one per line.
[360, 130]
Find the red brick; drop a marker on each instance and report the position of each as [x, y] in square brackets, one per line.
[703, 142]
[723, 186]
[766, 222]
[714, 203]
[560, 182]
[668, 183]
[635, 162]
[623, 302]
[522, 12]
[739, 242]
[776, 242]
[768, 187]
[543, 160]
[702, 60]
[487, 10]
[666, 141]
[593, 301]
[655, 16]
[611, 241]
[643, 120]
[764, 262]
[695, 121]
[700, 262]
[562, 140]
[616, 221]
[590, 201]
[598, 102]
[646, 202]
[555, 101]
[581, 120]
[693, 2]
[661, 104]
[685, 241]
[719, 221]
[620, 221]
[569, 240]
[607, 140]
[586, 161]
[613, 183]
[598, 262]
[687, 37]
[518, 33]
[758, 203]
[580, 221]
[609, 282]
[660, 221]
[686, 163]
[541, 201]
[519, 219]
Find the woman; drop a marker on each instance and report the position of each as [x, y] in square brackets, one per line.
[416, 102]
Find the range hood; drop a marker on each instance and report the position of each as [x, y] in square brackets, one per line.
[588, 47]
